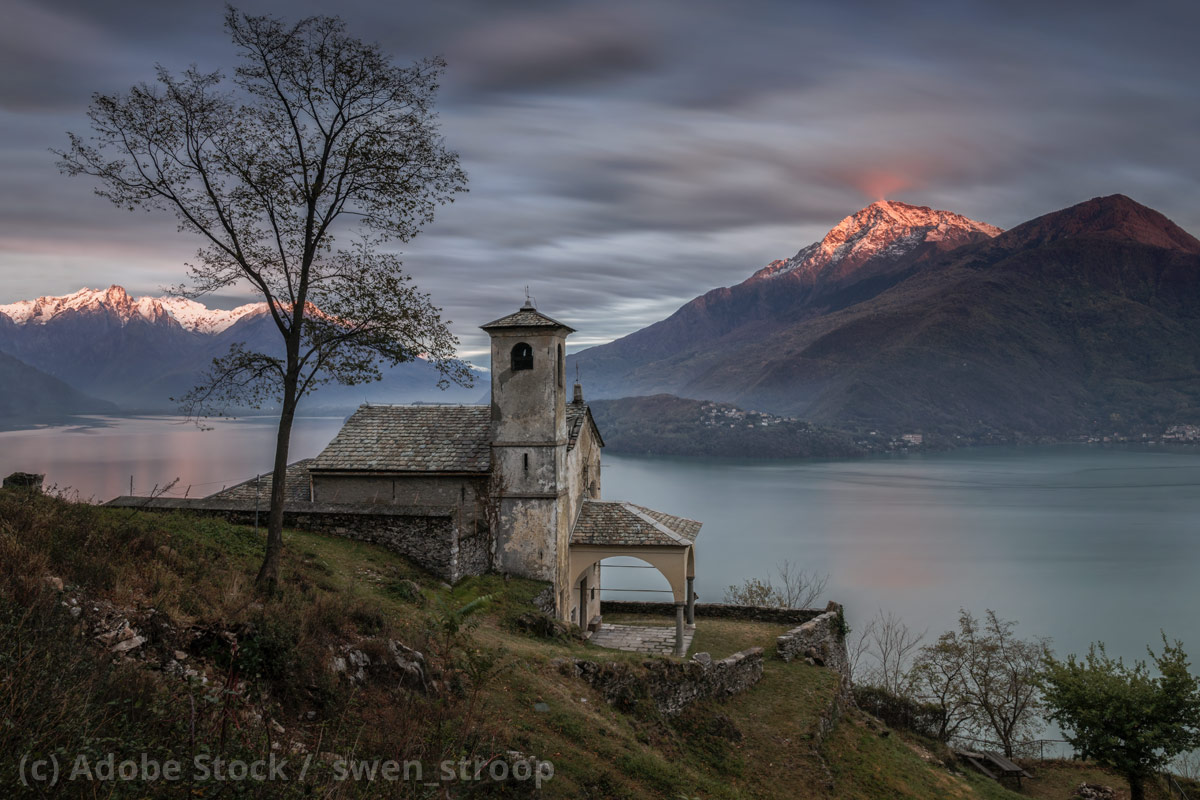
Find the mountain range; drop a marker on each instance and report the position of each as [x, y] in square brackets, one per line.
[138, 352]
[900, 318]
[908, 317]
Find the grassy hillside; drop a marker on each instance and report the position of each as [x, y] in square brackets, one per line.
[219, 671]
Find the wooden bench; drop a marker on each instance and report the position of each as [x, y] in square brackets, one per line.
[994, 765]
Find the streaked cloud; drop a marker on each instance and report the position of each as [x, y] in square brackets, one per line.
[625, 157]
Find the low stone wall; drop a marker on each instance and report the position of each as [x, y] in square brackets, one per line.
[671, 685]
[821, 640]
[427, 535]
[713, 610]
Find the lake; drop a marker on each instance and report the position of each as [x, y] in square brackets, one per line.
[1078, 543]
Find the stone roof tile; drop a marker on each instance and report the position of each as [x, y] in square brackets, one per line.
[418, 438]
[296, 486]
[526, 317]
[577, 415]
[616, 523]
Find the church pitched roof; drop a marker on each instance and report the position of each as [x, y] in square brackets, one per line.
[526, 317]
[616, 523]
[297, 485]
[411, 439]
[578, 415]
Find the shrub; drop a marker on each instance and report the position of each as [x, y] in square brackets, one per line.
[924, 719]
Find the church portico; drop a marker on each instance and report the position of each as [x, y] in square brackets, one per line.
[613, 529]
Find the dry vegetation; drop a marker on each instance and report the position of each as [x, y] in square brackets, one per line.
[185, 584]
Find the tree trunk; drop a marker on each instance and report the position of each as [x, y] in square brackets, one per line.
[1137, 787]
[268, 573]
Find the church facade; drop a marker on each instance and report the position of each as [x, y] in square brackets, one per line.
[517, 482]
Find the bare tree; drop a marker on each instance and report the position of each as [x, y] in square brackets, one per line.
[882, 653]
[1187, 765]
[938, 676]
[985, 679]
[790, 588]
[317, 133]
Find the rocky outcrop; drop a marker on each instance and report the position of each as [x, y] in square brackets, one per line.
[355, 664]
[671, 685]
[1094, 791]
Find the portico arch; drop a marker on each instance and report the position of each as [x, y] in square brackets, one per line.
[676, 564]
[607, 529]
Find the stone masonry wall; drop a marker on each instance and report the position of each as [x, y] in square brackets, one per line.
[474, 554]
[714, 610]
[819, 639]
[427, 536]
[428, 541]
[672, 685]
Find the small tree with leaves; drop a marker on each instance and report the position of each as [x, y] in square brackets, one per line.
[316, 135]
[1122, 716]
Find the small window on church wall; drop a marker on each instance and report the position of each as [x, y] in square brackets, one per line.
[522, 357]
[561, 366]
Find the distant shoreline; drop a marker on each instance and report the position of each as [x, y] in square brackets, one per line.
[697, 443]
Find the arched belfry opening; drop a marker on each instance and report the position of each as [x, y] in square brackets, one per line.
[522, 357]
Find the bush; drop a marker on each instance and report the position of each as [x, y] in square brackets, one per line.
[924, 719]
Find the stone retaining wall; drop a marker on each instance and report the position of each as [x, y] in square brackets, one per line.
[671, 685]
[713, 610]
[821, 640]
[428, 535]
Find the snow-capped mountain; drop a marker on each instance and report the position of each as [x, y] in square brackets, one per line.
[883, 232]
[858, 258]
[116, 302]
[904, 318]
[139, 352]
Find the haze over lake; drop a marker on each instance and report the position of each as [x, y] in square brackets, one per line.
[1077, 543]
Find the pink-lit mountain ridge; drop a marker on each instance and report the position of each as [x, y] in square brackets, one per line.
[858, 258]
[872, 240]
[904, 317]
[138, 352]
[115, 301]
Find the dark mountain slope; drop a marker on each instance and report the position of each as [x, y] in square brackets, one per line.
[863, 255]
[28, 393]
[1067, 320]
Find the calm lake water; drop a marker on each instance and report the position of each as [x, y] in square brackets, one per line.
[1077, 543]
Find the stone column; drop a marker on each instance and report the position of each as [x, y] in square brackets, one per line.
[691, 601]
[679, 648]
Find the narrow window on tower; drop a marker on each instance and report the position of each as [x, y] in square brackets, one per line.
[522, 357]
[561, 366]
[525, 459]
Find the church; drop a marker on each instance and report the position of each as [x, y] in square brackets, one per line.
[511, 487]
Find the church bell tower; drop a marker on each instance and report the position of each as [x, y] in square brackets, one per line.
[529, 445]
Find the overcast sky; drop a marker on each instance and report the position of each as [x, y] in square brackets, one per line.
[625, 157]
